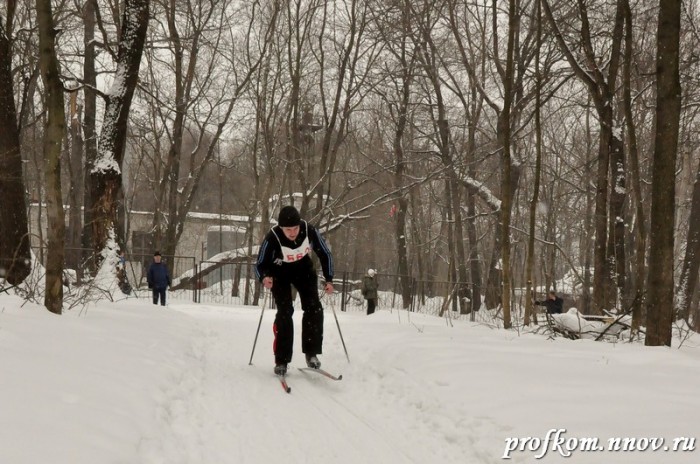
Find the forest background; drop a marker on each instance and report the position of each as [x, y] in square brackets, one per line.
[493, 144]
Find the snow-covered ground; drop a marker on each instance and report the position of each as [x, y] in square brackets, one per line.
[129, 382]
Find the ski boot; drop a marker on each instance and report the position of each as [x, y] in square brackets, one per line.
[281, 369]
[312, 361]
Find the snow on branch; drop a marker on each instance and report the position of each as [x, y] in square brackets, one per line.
[482, 191]
[335, 222]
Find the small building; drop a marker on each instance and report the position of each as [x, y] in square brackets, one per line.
[200, 237]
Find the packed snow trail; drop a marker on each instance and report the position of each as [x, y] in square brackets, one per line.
[133, 383]
[219, 407]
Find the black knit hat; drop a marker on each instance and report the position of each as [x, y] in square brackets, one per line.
[157, 253]
[289, 217]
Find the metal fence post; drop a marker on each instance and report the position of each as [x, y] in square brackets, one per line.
[194, 281]
[412, 306]
[472, 313]
[343, 304]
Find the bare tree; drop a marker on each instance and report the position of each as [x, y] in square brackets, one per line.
[14, 246]
[210, 73]
[663, 206]
[691, 262]
[507, 188]
[640, 227]
[393, 26]
[483, 76]
[354, 56]
[76, 193]
[425, 107]
[89, 119]
[53, 140]
[599, 74]
[538, 167]
[105, 176]
[326, 60]
[263, 151]
[427, 42]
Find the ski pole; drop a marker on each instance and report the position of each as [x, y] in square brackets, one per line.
[339, 332]
[265, 301]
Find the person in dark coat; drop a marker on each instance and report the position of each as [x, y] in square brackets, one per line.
[553, 303]
[369, 290]
[284, 261]
[158, 279]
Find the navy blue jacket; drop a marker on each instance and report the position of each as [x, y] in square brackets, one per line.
[280, 257]
[158, 276]
[554, 306]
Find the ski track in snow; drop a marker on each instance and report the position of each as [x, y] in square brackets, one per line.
[218, 406]
[131, 383]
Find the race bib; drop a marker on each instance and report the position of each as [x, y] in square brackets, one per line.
[290, 255]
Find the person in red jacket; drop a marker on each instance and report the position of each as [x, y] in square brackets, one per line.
[284, 261]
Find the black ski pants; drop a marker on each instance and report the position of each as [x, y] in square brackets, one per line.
[311, 322]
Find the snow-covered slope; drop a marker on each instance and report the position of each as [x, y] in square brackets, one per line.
[129, 382]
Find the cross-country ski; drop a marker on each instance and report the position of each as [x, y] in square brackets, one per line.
[322, 372]
[283, 382]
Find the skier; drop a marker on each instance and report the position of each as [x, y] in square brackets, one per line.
[283, 261]
[369, 290]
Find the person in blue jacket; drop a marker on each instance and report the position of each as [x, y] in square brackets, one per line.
[158, 279]
[284, 260]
